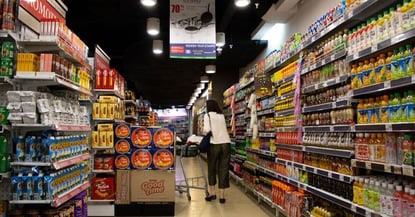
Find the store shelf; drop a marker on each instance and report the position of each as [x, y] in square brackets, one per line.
[108, 120]
[261, 152]
[59, 200]
[48, 79]
[4, 127]
[382, 45]
[329, 128]
[268, 111]
[324, 84]
[239, 112]
[335, 56]
[377, 166]
[102, 147]
[247, 116]
[362, 12]
[103, 171]
[387, 85]
[388, 127]
[109, 92]
[286, 129]
[8, 34]
[238, 100]
[284, 113]
[329, 151]
[57, 127]
[327, 106]
[251, 81]
[291, 147]
[240, 156]
[285, 96]
[52, 44]
[99, 201]
[266, 134]
[56, 165]
[285, 80]
[322, 172]
[5, 175]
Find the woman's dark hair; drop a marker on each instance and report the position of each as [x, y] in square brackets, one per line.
[212, 106]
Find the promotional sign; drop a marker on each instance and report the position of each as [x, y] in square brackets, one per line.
[42, 9]
[192, 29]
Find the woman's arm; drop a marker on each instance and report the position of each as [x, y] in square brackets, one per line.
[206, 125]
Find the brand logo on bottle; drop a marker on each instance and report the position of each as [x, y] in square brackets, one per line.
[153, 187]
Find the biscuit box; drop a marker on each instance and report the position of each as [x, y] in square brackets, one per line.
[163, 159]
[141, 137]
[163, 137]
[122, 131]
[103, 188]
[122, 161]
[152, 186]
[123, 146]
[141, 159]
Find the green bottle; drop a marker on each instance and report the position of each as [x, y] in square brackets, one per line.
[395, 64]
[409, 60]
[402, 65]
[410, 106]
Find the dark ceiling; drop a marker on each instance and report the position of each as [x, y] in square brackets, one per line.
[119, 28]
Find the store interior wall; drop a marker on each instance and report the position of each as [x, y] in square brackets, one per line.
[307, 12]
[221, 81]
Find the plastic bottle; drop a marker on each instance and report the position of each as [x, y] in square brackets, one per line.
[366, 73]
[404, 18]
[395, 67]
[391, 155]
[403, 108]
[391, 23]
[397, 201]
[399, 149]
[369, 109]
[409, 60]
[380, 151]
[372, 73]
[411, 12]
[355, 77]
[407, 148]
[381, 69]
[371, 194]
[388, 64]
[402, 66]
[372, 31]
[395, 108]
[384, 109]
[405, 200]
[376, 194]
[356, 189]
[372, 147]
[383, 199]
[410, 106]
[397, 19]
[366, 189]
[388, 198]
[380, 29]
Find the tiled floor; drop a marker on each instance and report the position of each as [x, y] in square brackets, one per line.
[238, 202]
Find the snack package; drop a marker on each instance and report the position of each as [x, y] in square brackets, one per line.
[103, 188]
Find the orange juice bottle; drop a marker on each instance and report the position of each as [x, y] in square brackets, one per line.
[381, 69]
[359, 71]
[372, 72]
[369, 108]
[355, 76]
[384, 109]
[388, 62]
[366, 73]
[360, 107]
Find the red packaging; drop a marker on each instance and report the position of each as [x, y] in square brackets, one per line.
[111, 79]
[103, 188]
[98, 163]
[105, 79]
[108, 163]
[98, 79]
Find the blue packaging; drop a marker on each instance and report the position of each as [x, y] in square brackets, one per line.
[19, 149]
[49, 186]
[17, 187]
[38, 184]
[28, 187]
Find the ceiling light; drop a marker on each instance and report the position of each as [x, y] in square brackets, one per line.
[157, 46]
[153, 26]
[210, 69]
[148, 3]
[220, 39]
[30, 1]
[204, 79]
[201, 86]
[242, 3]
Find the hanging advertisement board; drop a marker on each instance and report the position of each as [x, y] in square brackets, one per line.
[192, 29]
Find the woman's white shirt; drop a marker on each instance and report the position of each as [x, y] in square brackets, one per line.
[218, 125]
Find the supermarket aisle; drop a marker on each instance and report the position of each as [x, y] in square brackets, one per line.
[238, 204]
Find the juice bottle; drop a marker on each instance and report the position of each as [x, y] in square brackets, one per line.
[395, 108]
[359, 71]
[406, 198]
[409, 60]
[362, 36]
[410, 106]
[366, 192]
[354, 77]
[397, 19]
[372, 72]
[380, 152]
[356, 189]
[411, 12]
[395, 64]
[376, 196]
[399, 148]
[391, 155]
[366, 73]
[352, 41]
[380, 29]
[372, 147]
[405, 19]
[369, 109]
[368, 42]
[357, 46]
[391, 23]
[384, 109]
[381, 69]
[371, 193]
[403, 108]
[397, 201]
[388, 64]
[407, 148]
[401, 60]
[372, 31]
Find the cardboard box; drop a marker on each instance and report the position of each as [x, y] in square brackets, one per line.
[105, 127]
[102, 138]
[95, 138]
[123, 187]
[111, 110]
[103, 108]
[95, 110]
[110, 138]
[152, 186]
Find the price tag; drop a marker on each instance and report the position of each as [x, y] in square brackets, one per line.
[333, 105]
[355, 56]
[353, 208]
[352, 129]
[332, 57]
[408, 171]
[313, 66]
[316, 87]
[413, 79]
[353, 163]
[387, 84]
[368, 214]
[331, 128]
[374, 48]
[350, 14]
[388, 127]
[323, 62]
[388, 168]
[341, 178]
[330, 175]
[368, 165]
[313, 38]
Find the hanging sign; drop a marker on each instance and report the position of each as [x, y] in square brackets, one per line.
[42, 9]
[192, 29]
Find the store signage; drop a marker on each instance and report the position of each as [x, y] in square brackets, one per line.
[41, 9]
[192, 29]
[102, 60]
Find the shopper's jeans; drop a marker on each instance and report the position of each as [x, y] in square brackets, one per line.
[218, 158]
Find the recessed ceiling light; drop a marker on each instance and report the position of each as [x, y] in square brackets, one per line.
[204, 79]
[148, 3]
[242, 3]
[220, 39]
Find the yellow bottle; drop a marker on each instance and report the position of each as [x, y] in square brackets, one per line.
[388, 67]
[372, 72]
[354, 76]
[381, 69]
[360, 111]
[366, 73]
[359, 71]
[384, 109]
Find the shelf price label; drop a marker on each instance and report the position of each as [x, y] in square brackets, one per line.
[408, 171]
[387, 84]
[388, 168]
[388, 128]
[368, 165]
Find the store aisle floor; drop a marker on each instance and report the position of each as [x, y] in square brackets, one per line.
[238, 203]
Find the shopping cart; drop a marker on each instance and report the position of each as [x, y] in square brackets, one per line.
[198, 182]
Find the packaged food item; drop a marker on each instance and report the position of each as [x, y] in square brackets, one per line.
[110, 138]
[103, 188]
[95, 139]
[108, 99]
[103, 109]
[95, 110]
[102, 138]
[105, 127]
[111, 110]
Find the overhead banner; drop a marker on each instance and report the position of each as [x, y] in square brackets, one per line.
[192, 29]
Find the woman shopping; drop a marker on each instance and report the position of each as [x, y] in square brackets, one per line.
[219, 153]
